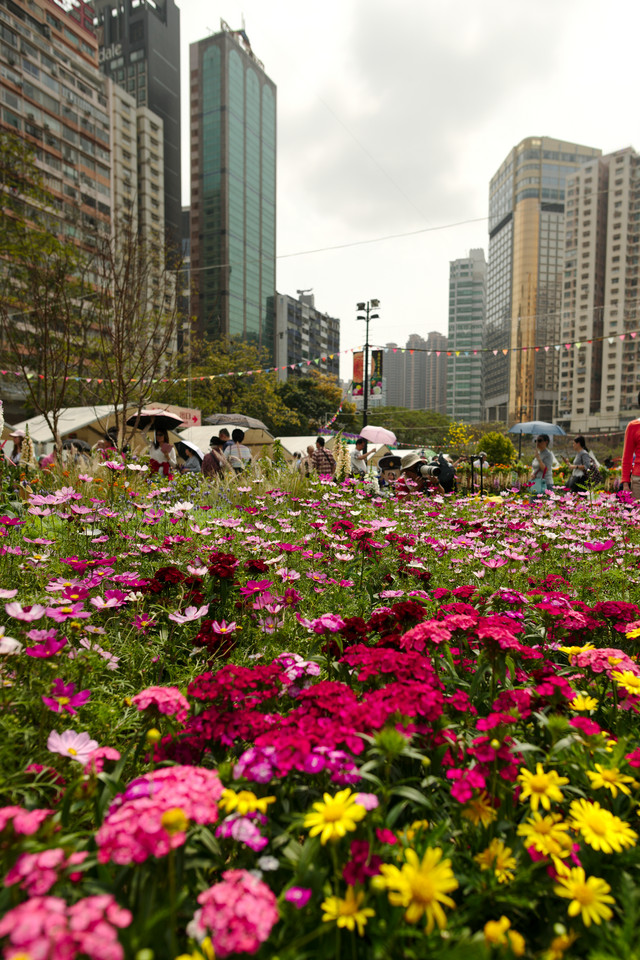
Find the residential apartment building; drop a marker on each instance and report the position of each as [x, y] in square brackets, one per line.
[139, 44]
[465, 337]
[137, 183]
[524, 277]
[304, 333]
[233, 189]
[53, 96]
[600, 372]
[436, 373]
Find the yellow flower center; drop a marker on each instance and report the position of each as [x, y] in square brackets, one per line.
[62, 701]
[174, 821]
[539, 783]
[66, 609]
[583, 894]
[596, 822]
[73, 752]
[423, 888]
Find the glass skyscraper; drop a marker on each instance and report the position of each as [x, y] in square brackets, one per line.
[233, 190]
[465, 338]
[524, 278]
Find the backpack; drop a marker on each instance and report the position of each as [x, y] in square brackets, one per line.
[447, 476]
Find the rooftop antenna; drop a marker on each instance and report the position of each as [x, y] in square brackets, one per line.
[302, 292]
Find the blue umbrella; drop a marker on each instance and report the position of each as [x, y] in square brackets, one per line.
[537, 426]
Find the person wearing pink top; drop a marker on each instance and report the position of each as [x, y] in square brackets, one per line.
[631, 458]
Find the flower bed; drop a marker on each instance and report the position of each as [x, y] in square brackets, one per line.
[312, 722]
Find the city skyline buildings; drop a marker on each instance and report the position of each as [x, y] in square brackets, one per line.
[139, 50]
[524, 277]
[233, 189]
[305, 333]
[465, 336]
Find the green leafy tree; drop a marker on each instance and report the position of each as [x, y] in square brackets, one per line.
[204, 380]
[46, 287]
[498, 448]
[315, 397]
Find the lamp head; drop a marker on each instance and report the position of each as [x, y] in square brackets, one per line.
[361, 306]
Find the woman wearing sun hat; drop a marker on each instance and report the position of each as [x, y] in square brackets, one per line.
[17, 436]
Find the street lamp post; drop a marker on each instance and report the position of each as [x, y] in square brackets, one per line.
[364, 313]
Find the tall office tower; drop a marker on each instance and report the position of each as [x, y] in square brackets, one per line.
[600, 372]
[524, 277]
[436, 373]
[233, 189]
[138, 168]
[415, 373]
[304, 333]
[53, 96]
[467, 301]
[140, 51]
[393, 375]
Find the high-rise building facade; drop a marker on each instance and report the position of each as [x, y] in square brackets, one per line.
[233, 189]
[53, 96]
[465, 338]
[140, 51]
[600, 372]
[304, 333]
[415, 373]
[137, 185]
[524, 277]
[393, 375]
[436, 372]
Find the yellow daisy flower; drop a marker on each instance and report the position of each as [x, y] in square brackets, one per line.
[347, 912]
[334, 816]
[610, 778]
[498, 858]
[628, 681]
[480, 810]
[582, 702]
[601, 829]
[573, 651]
[589, 896]
[541, 787]
[560, 945]
[546, 834]
[421, 886]
[244, 801]
[497, 933]
[633, 634]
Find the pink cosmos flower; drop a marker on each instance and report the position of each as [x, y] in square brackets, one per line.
[298, 896]
[143, 621]
[72, 611]
[63, 697]
[78, 746]
[167, 700]
[25, 614]
[7, 594]
[8, 645]
[597, 547]
[46, 927]
[112, 600]
[25, 822]
[222, 628]
[239, 913]
[254, 587]
[190, 614]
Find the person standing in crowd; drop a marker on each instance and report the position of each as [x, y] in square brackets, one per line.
[17, 436]
[582, 464]
[162, 456]
[306, 464]
[542, 466]
[631, 458]
[323, 460]
[225, 437]
[359, 458]
[215, 463]
[236, 453]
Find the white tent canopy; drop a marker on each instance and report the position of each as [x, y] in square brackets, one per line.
[71, 421]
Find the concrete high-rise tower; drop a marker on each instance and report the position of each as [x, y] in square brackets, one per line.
[524, 277]
[140, 51]
[600, 372]
[465, 338]
[233, 189]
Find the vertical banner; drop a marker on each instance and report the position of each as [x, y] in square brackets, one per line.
[375, 374]
[357, 389]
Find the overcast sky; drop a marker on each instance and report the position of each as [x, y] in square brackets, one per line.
[392, 118]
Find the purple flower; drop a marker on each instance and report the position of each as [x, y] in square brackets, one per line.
[222, 628]
[244, 831]
[72, 611]
[64, 698]
[49, 648]
[298, 896]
